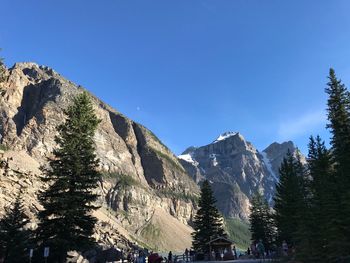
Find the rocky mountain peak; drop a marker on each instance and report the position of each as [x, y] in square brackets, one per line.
[236, 169]
[275, 152]
[225, 136]
[278, 148]
[34, 71]
[190, 150]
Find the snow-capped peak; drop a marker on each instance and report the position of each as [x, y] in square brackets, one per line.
[225, 135]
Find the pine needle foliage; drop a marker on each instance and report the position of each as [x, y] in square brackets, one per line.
[208, 222]
[261, 221]
[14, 238]
[312, 212]
[339, 126]
[66, 222]
[288, 199]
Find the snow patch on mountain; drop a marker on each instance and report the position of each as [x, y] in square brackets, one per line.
[213, 158]
[186, 157]
[224, 136]
[268, 165]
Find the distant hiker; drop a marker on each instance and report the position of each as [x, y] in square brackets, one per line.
[141, 258]
[261, 249]
[248, 251]
[186, 254]
[192, 255]
[253, 249]
[285, 248]
[130, 257]
[170, 257]
[234, 252]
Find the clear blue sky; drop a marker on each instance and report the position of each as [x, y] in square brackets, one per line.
[190, 70]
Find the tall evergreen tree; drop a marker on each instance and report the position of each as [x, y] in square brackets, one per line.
[289, 199]
[339, 125]
[66, 222]
[323, 203]
[304, 236]
[261, 221]
[14, 239]
[208, 221]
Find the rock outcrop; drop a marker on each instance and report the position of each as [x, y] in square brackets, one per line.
[141, 175]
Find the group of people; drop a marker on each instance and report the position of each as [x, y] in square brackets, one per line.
[257, 250]
[156, 258]
[137, 256]
[224, 254]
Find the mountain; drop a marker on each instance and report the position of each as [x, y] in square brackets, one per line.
[236, 170]
[146, 195]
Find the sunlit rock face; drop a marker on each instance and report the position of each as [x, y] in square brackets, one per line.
[236, 170]
[141, 175]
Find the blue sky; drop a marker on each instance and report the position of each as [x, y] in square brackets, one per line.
[190, 70]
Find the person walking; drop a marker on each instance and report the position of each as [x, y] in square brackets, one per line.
[234, 252]
[170, 257]
[285, 248]
[261, 249]
[186, 254]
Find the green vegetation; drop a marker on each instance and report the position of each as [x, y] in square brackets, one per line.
[151, 232]
[261, 221]
[178, 195]
[238, 231]
[14, 239]
[4, 147]
[66, 222]
[208, 221]
[289, 199]
[142, 244]
[122, 180]
[339, 126]
[312, 211]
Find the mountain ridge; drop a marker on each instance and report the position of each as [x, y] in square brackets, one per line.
[142, 176]
[144, 183]
[236, 170]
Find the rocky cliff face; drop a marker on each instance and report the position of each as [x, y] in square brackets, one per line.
[236, 170]
[141, 175]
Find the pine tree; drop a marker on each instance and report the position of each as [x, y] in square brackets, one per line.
[323, 212]
[208, 221]
[304, 236]
[14, 239]
[339, 125]
[66, 222]
[289, 199]
[261, 221]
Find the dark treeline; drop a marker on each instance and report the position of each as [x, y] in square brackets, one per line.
[312, 203]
